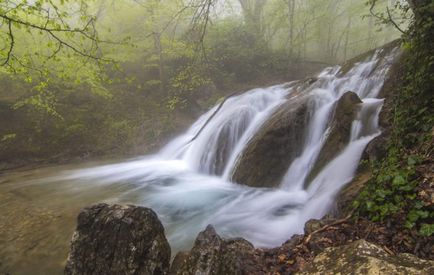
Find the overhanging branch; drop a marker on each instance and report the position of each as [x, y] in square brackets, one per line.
[12, 43]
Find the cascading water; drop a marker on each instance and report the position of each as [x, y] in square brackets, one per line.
[187, 182]
[226, 133]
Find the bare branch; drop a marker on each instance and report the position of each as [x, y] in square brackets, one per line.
[393, 22]
[12, 43]
[383, 19]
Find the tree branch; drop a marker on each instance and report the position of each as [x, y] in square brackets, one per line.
[211, 117]
[12, 43]
[381, 17]
[393, 22]
[52, 32]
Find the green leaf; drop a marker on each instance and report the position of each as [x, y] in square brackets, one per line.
[411, 161]
[398, 180]
[8, 137]
[369, 205]
[427, 229]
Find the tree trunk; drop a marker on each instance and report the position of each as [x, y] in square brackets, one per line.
[417, 7]
[252, 12]
[291, 8]
[370, 32]
[159, 52]
[347, 38]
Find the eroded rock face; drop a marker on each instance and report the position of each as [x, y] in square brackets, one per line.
[339, 134]
[270, 152]
[362, 257]
[213, 255]
[115, 239]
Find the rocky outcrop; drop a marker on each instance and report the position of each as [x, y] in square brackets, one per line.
[362, 257]
[268, 155]
[213, 255]
[339, 132]
[271, 151]
[130, 240]
[118, 240]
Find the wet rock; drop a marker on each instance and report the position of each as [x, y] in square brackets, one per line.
[178, 262]
[268, 155]
[312, 225]
[346, 197]
[339, 133]
[386, 50]
[376, 149]
[213, 255]
[115, 239]
[362, 257]
[301, 85]
[226, 141]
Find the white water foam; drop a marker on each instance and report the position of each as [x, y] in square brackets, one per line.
[187, 184]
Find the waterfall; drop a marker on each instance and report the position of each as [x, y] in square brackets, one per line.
[226, 134]
[188, 182]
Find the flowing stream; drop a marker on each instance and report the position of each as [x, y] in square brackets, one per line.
[188, 183]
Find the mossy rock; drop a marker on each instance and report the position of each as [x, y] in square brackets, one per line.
[117, 239]
[362, 257]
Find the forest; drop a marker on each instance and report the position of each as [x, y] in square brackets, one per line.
[82, 79]
[216, 137]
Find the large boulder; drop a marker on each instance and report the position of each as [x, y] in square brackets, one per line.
[268, 155]
[115, 239]
[213, 255]
[362, 257]
[339, 132]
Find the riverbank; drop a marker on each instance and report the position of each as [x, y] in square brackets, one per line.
[105, 234]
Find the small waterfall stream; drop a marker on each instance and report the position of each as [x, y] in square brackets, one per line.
[188, 183]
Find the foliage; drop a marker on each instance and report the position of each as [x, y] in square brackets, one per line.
[396, 190]
[103, 75]
[65, 48]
